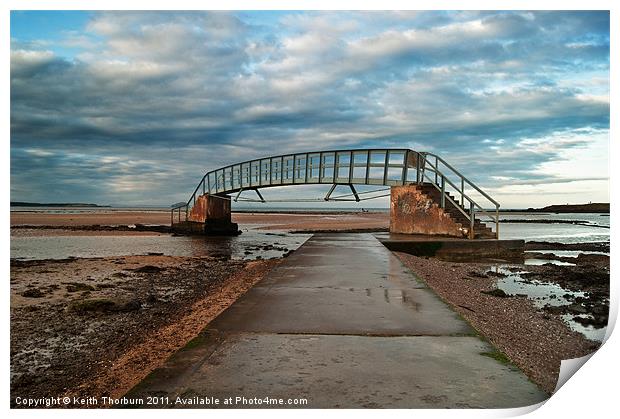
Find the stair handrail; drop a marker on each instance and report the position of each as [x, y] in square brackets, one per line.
[461, 191]
[469, 182]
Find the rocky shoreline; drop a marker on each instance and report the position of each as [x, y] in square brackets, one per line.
[587, 247]
[96, 227]
[572, 222]
[536, 339]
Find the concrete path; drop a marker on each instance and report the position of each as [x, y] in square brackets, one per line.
[342, 323]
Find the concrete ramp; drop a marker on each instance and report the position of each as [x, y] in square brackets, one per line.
[341, 323]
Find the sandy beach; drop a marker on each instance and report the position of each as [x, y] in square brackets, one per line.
[274, 221]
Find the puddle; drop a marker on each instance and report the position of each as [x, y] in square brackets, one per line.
[545, 293]
[590, 332]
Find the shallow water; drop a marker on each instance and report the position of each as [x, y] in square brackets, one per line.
[543, 293]
[597, 230]
[569, 253]
[252, 241]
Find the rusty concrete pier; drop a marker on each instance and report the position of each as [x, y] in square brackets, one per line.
[344, 324]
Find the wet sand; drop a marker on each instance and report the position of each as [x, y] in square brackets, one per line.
[271, 221]
[90, 218]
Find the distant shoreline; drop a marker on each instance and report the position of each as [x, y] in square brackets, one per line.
[591, 208]
[56, 205]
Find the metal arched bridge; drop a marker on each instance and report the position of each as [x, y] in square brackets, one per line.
[376, 167]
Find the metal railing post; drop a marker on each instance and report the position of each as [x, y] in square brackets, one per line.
[462, 192]
[497, 222]
[443, 191]
[436, 170]
[417, 168]
[471, 220]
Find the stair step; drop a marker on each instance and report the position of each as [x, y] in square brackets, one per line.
[481, 230]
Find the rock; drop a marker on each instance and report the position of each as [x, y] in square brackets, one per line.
[33, 293]
[78, 286]
[600, 309]
[554, 309]
[586, 258]
[496, 293]
[104, 305]
[576, 309]
[596, 321]
[148, 269]
[497, 274]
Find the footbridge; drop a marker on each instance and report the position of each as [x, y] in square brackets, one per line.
[427, 195]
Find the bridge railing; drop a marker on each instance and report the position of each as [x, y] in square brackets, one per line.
[387, 167]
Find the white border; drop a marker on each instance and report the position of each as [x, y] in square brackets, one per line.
[591, 392]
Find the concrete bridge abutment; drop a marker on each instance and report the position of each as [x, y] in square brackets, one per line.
[210, 215]
[412, 211]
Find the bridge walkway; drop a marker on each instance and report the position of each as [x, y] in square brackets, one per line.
[343, 323]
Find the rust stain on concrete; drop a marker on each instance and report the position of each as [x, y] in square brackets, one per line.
[413, 212]
[210, 208]
[199, 210]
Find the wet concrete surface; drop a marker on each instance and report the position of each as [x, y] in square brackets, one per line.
[341, 323]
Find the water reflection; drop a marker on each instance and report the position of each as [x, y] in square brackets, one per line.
[251, 244]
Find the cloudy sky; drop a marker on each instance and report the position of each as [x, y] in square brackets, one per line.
[131, 108]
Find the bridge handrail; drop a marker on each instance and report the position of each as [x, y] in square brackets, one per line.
[321, 165]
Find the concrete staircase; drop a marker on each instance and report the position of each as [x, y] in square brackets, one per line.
[481, 231]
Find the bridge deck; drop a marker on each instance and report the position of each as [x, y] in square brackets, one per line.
[344, 324]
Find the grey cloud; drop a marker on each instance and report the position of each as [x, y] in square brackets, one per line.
[185, 92]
